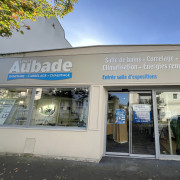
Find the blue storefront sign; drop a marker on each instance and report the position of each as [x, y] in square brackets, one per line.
[41, 76]
[120, 116]
[142, 113]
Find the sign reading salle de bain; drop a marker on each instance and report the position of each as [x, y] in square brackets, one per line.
[33, 69]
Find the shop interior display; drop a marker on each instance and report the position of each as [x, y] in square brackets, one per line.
[168, 106]
[14, 106]
[130, 125]
[51, 107]
[61, 107]
[119, 132]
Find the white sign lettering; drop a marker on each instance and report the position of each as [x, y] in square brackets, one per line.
[35, 67]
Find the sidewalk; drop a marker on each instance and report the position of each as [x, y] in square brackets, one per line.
[35, 168]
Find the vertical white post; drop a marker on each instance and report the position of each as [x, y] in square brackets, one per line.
[170, 139]
[156, 131]
[31, 107]
[105, 128]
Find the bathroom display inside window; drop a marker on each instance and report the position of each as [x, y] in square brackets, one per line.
[168, 106]
[60, 107]
[14, 105]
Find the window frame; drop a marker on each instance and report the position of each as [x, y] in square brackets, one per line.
[14, 125]
[175, 94]
[160, 155]
[31, 104]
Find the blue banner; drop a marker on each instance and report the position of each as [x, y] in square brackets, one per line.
[120, 116]
[142, 113]
[40, 76]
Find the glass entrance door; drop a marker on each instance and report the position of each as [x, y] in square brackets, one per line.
[118, 123]
[142, 123]
[130, 125]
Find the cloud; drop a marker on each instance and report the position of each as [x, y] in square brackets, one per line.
[86, 42]
[83, 33]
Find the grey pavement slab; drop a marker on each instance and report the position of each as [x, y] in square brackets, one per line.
[109, 168]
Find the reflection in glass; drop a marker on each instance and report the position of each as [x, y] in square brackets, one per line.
[14, 105]
[142, 123]
[60, 107]
[118, 122]
[47, 110]
[168, 106]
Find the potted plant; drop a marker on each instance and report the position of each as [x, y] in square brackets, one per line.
[175, 126]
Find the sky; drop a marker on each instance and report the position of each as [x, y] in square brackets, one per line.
[123, 22]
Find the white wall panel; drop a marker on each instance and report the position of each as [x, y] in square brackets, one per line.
[93, 123]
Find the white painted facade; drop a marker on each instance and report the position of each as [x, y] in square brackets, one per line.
[45, 34]
[65, 143]
[89, 143]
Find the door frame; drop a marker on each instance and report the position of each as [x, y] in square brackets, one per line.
[113, 153]
[131, 123]
[130, 126]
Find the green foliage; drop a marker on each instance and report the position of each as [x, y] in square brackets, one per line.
[175, 126]
[13, 12]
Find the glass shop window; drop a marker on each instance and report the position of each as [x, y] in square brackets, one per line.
[14, 105]
[60, 107]
[169, 122]
[175, 96]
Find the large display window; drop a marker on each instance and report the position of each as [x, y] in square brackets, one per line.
[67, 107]
[14, 105]
[168, 106]
[60, 107]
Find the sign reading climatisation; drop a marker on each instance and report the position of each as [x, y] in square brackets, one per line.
[146, 67]
[138, 68]
[32, 69]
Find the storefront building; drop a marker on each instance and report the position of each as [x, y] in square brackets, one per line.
[86, 103]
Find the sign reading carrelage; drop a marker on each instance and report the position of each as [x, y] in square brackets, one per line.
[149, 65]
[144, 67]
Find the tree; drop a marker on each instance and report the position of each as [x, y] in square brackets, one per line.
[14, 12]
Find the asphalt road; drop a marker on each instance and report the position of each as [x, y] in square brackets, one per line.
[35, 168]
